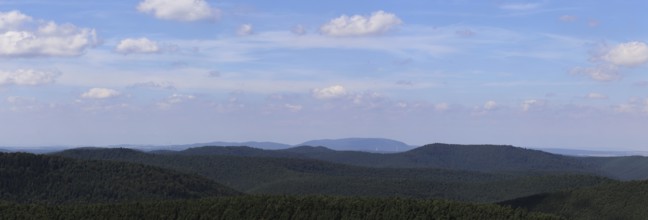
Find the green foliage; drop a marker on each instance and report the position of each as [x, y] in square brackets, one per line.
[260, 175]
[623, 200]
[272, 207]
[28, 178]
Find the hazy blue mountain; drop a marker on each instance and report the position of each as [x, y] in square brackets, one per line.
[360, 144]
[254, 144]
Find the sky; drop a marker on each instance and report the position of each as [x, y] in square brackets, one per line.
[544, 73]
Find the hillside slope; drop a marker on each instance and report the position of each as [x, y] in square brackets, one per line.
[622, 200]
[264, 175]
[28, 178]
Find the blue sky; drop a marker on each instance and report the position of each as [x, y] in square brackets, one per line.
[527, 73]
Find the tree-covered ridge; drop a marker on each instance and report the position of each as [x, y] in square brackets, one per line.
[27, 178]
[622, 200]
[262, 175]
[484, 158]
[272, 207]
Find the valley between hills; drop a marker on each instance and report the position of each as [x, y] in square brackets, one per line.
[439, 181]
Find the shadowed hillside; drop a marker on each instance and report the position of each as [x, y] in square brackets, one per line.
[623, 200]
[267, 175]
[36, 178]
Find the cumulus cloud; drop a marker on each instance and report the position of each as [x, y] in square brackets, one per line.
[245, 30]
[529, 104]
[594, 95]
[23, 36]
[137, 45]
[604, 73]
[357, 25]
[12, 20]
[490, 105]
[173, 100]
[628, 54]
[100, 93]
[520, 6]
[635, 105]
[331, 92]
[27, 77]
[610, 60]
[179, 10]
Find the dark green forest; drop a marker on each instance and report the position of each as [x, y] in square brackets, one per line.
[623, 200]
[273, 207]
[263, 175]
[432, 182]
[28, 178]
[483, 158]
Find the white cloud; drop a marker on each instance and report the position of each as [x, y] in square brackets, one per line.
[179, 10]
[520, 6]
[331, 92]
[628, 54]
[610, 60]
[13, 19]
[138, 45]
[490, 105]
[529, 104]
[100, 93]
[294, 108]
[604, 73]
[28, 77]
[379, 22]
[173, 100]
[22, 36]
[245, 30]
[594, 95]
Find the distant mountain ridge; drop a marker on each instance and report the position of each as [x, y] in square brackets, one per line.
[360, 144]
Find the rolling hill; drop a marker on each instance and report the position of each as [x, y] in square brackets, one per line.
[622, 200]
[267, 175]
[482, 158]
[26, 178]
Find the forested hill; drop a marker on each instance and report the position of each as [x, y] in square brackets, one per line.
[28, 178]
[622, 200]
[483, 158]
[273, 207]
[486, 158]
[263, 175]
